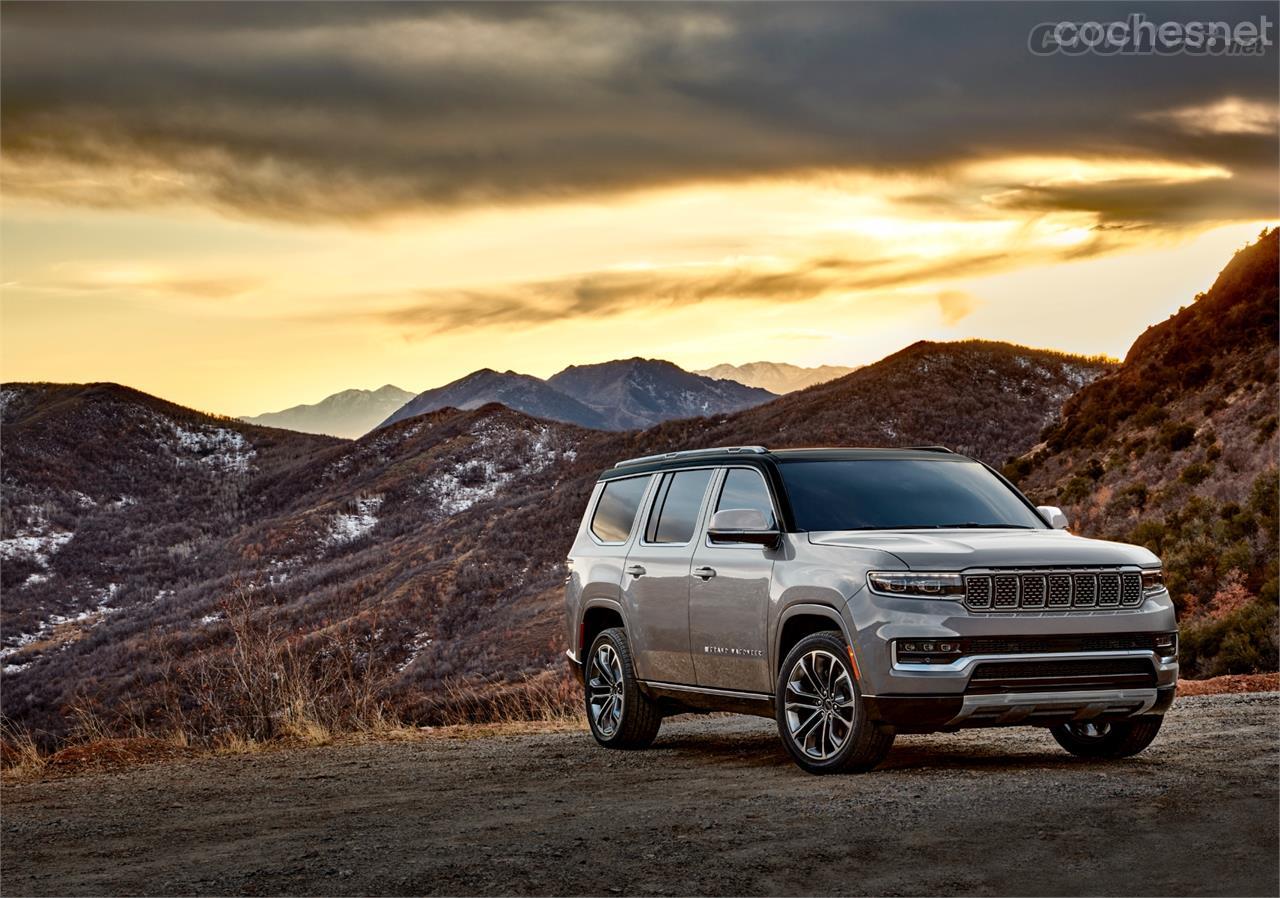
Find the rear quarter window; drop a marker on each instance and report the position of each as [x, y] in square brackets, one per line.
[616, 511]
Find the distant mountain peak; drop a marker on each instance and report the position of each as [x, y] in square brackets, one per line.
[349, 414]
[776, 377]
[635, 393]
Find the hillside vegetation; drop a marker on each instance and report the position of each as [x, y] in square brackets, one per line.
[416, 572]
[1177, 450]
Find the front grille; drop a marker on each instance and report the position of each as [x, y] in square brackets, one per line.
[1052, 590]
[1023, 676]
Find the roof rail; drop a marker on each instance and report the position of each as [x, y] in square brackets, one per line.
[932, 449]
[693, 453]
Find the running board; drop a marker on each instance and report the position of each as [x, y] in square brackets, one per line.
[679, 698]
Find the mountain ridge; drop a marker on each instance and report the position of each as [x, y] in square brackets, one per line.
[624, 394]
[347, 413]
[776, 377]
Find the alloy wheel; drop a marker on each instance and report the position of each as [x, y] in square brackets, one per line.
[819, 704]
[604, 690]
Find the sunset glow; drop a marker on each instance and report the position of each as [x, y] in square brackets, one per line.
[243, 248]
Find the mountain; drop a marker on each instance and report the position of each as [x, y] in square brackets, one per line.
[638, 393]
[349, 414]
[522, 392]
[982, 398]
[112, 496]
[622, 395]
[776, 377]
[1177, 450]
[426, 555]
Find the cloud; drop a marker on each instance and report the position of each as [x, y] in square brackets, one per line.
[956, 305]
[601, 293]
[346, 112]
[143, 281]
[1230, 115]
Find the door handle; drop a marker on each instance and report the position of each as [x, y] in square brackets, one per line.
[706, 573]
[636, 570]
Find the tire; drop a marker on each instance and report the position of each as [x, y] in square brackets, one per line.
[1114, 739]
[837, 737]
[620, 715]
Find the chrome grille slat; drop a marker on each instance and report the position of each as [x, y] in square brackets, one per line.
[1067, 589]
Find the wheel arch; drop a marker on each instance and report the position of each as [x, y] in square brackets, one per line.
[597, 616]
[803, 620]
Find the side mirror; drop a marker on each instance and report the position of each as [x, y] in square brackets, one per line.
[744, 525]
[1053, 516]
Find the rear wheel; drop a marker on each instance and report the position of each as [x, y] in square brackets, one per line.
[620, 715]
[1107, 739]
[820, 713]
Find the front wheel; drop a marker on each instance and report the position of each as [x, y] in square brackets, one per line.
[821, 716]
[620, 715]
[1107, 739]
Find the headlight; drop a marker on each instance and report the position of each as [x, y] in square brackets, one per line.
[917, 586]
[1152, 581]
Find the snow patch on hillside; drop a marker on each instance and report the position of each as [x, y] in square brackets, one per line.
[216, 447]
[420, 642]
[346, 527]
[494, 463]
[48, 628]
[34, 546]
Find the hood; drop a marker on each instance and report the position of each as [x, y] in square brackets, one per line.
[955, 550]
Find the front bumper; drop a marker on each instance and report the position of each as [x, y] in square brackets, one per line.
[932, 713]
[1027, 687]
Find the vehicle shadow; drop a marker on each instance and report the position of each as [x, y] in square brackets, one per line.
[911, 753]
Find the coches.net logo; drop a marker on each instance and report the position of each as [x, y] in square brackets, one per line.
[1136, 35]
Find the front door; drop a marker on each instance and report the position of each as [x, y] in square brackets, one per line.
[729, 595]
[655, 579]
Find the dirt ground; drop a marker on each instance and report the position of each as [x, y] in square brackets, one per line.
[714, 807]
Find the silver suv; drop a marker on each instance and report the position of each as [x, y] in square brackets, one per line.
[852, 594]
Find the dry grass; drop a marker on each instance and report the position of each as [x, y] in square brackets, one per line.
[20, 755]
[553, 697]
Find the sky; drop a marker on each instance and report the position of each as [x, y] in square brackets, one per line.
[242, 207]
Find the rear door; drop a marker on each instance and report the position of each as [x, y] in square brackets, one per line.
[655, 580]
[729, 594]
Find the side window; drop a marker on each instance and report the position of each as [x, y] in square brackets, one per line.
[745, 489]
[616, 510]
[675, 513]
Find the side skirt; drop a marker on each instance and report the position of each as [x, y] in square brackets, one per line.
[675, 698]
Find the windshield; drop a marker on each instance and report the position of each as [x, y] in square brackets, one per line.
[898, 494]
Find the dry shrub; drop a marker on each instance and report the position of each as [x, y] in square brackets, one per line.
[1231, 597]
[547, 697]
[20, 755]
[269, 685]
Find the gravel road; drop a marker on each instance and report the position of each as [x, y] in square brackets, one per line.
[713, 808]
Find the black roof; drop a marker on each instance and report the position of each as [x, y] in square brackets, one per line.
[759, 456]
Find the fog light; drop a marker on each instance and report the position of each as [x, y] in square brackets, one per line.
[1167, 644]
[913, 651]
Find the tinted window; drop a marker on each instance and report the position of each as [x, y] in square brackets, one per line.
[745, 489]
[888, 494]
[677, 508]
[616, 511]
